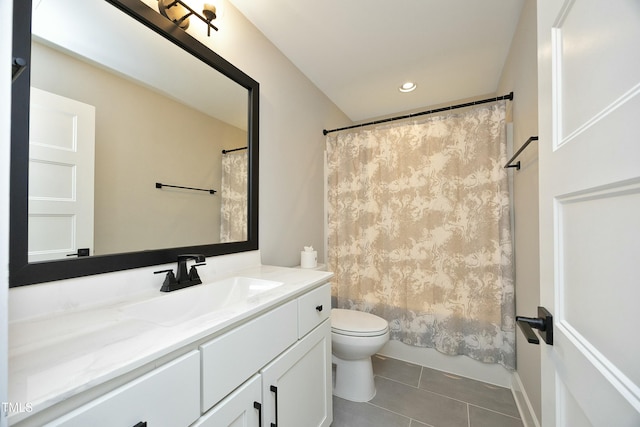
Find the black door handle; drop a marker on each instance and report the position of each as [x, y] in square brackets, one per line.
[543, 323]
[81, 252]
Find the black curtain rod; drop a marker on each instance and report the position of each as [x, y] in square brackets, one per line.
[422, 113]
[233, 149]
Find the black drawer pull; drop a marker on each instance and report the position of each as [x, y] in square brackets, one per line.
[274, 390]
[258, 406]
[319, 307]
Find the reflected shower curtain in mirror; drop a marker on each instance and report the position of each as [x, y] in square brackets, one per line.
[234, 193]
[419, 231]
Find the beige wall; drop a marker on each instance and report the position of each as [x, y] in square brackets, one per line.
[143, 137]
[520, 76]
[293, 113]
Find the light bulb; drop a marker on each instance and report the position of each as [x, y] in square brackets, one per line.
[209, 11]
[407, 87]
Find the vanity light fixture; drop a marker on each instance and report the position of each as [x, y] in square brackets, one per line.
[407, 87]
[179, 12]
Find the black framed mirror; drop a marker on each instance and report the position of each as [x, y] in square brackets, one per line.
[31, 46]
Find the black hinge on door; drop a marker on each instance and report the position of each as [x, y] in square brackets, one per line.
[18, 65]
[543, 323]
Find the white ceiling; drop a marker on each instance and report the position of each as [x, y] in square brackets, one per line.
[358, 52]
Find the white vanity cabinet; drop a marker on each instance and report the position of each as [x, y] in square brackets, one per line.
[228, 360]
[167, 396]
[271, 369]
[296, 387]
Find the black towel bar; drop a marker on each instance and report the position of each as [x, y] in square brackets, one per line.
[234, 149]
[159, 185]
[517, 165]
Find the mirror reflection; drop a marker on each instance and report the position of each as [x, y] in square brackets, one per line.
[113, 112]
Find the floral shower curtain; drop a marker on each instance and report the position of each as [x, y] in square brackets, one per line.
[419, 231]
[233, 192]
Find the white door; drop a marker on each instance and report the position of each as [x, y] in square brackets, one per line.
[589, 148]
[61, 171]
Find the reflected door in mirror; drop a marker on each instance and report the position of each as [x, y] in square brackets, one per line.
[61, 168]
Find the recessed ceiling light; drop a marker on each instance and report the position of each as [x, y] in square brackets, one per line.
[407, 87]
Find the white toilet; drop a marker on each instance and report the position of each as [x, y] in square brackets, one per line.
[355, 337]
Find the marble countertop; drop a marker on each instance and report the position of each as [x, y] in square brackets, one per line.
[59, 355]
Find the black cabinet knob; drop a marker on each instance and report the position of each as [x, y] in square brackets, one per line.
[319, 307]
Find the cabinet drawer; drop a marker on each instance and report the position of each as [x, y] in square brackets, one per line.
[229, 360]
[167, 396]
[313, 308]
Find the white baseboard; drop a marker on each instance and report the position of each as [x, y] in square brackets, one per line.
[527, 414]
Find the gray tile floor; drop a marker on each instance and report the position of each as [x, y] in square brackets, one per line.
[410, 395]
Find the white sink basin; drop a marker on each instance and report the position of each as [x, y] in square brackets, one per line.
[185, 304]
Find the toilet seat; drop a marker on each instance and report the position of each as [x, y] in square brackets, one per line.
[357, 323]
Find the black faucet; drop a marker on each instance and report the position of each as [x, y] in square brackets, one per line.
[182, 279]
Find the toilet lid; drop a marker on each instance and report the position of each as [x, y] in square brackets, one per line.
[357, 323]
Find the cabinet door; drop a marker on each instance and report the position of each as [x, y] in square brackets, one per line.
[296, 387]
[242, 408]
